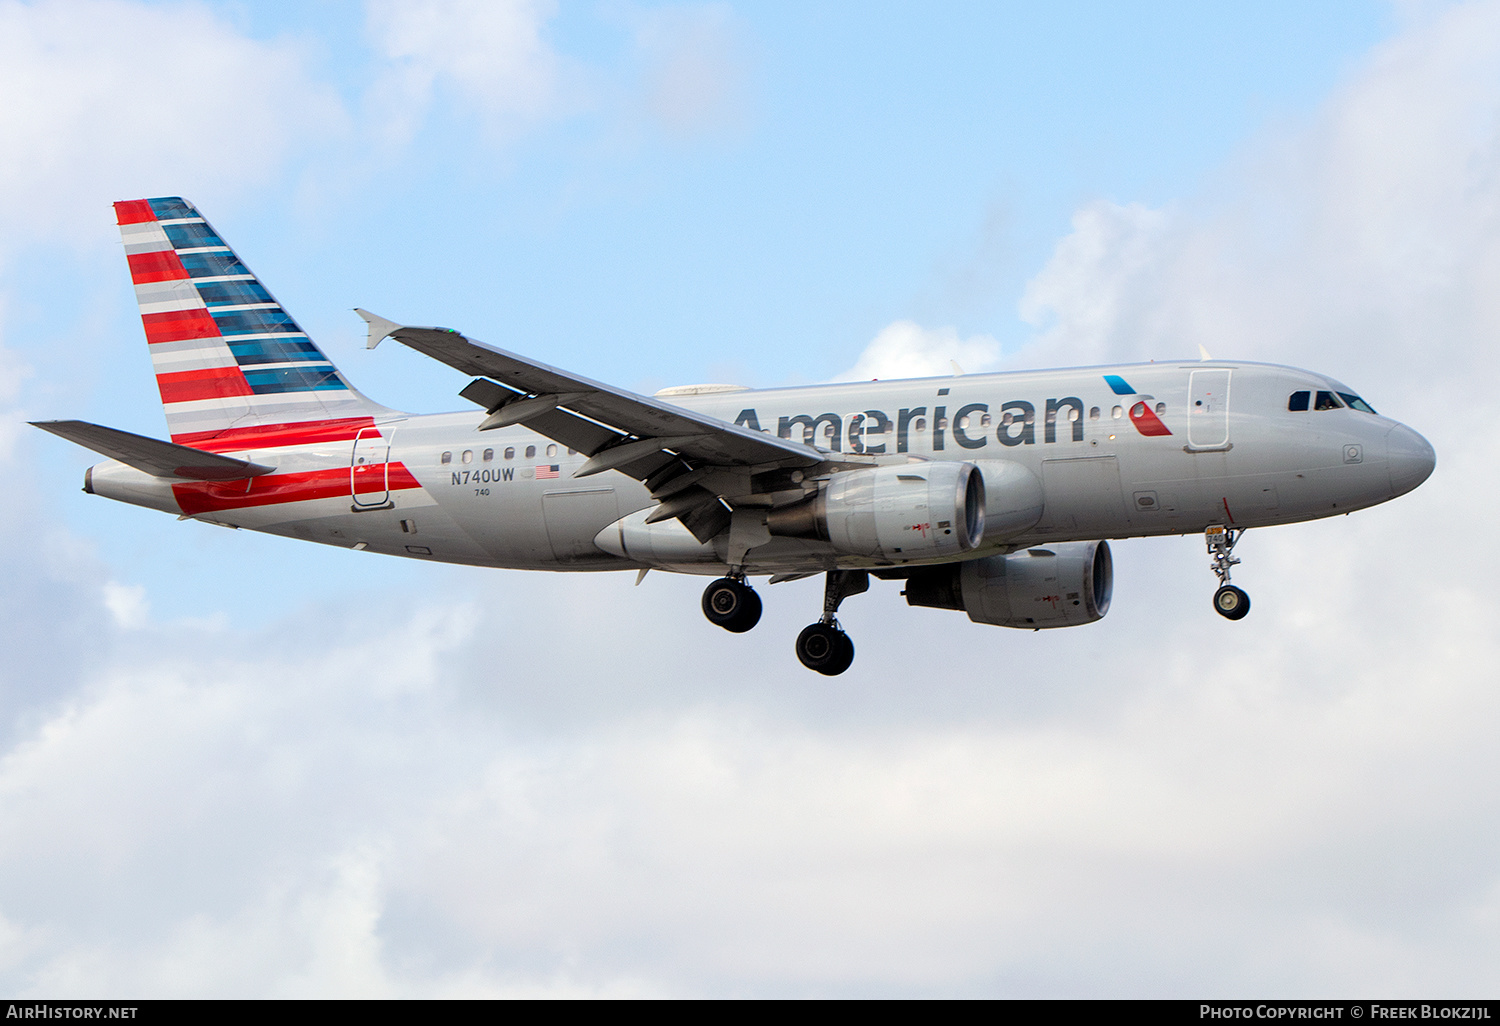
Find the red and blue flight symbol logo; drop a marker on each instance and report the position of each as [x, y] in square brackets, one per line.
[1141, 415]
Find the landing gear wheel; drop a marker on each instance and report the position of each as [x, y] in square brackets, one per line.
[825, 648]
[731, 604]
[1231, 603]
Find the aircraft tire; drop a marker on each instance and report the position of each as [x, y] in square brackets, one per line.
[1231, 603]
[845, 656]
[731, 605]
[825, 649]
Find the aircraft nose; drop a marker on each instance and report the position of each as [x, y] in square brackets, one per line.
[1409, 457]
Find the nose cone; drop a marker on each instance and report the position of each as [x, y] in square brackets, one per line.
[1409, 457]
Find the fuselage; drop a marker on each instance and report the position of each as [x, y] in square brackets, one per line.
[1118, 452]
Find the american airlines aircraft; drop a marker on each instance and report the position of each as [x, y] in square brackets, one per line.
[988, 493]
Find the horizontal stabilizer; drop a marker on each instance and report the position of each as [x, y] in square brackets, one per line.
[155, 457]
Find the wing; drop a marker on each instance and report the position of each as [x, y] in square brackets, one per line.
[155, 457]
[691, 462]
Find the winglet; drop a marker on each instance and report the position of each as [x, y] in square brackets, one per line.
[379, 327]
[1203, 353]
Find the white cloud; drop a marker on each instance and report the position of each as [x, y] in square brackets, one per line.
[127, 604]
[1091, 286]
[1367, 239]
[905, 349]
[490, 52]
[475, 805]
[108, 99]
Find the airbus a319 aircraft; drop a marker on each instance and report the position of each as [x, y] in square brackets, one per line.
[993, 494]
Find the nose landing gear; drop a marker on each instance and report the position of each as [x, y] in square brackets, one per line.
[823, 646]
[731, 604]
[1229, 602]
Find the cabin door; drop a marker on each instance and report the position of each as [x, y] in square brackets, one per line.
[1208, 409]
[369, 474]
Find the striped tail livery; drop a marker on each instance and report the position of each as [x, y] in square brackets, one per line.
[230, 363]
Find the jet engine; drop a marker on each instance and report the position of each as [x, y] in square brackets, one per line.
[1057, 586]
[911, 511]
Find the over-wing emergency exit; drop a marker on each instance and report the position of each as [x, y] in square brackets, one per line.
[993, 494]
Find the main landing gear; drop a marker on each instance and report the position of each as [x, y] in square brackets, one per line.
[822, 646]
[1229, 602]
[732, 604]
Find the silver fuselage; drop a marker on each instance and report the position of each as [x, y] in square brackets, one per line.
[1191, 445]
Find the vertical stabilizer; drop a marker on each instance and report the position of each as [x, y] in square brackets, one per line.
[235, 371]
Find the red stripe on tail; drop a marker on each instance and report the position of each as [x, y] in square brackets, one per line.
[213, 383]
[272, 436]
[161, 265]
[133, 212]
[177, 325]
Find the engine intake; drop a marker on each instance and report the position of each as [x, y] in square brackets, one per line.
[912, 511]
[1058, 586]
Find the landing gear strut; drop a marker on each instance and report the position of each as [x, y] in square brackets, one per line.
[732, 604]
[823, 646]
[1229, 602]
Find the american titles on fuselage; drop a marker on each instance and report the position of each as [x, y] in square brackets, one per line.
[873, 432]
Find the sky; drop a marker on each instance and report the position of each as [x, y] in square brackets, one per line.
[232, 765]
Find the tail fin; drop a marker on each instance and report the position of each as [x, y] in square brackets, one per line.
[235, 371]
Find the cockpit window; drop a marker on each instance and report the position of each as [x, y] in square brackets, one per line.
[1356, 403]
[1326, 401]
[1298, 402]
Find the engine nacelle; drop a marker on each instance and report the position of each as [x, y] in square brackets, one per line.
[1057, 586]
[910, 511]
[1013, 498]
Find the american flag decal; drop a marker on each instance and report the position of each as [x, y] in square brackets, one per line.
[547, 473]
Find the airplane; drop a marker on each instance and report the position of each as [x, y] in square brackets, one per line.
[993, 494]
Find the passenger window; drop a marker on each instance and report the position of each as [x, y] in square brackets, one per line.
[985, 420]
[1117, 412]
[920, 424]
[1356, 403]
[468, 455]
[1326, 401]
[447, 457]
[489, 454]
[510, 453]
[1161, 409]
[551, 450]
[1094, 413]
[1298, 402]
[531, 452]
[572, 451]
